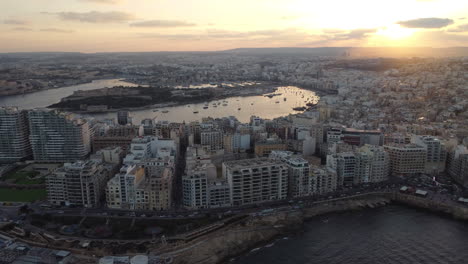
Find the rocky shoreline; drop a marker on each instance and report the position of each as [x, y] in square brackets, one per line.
[256, 231]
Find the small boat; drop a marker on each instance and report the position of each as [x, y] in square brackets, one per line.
[269, 245]
[195, 112]
[299, 108]
[205, 107]
[277, 102]
[165, 111]
[255, 249]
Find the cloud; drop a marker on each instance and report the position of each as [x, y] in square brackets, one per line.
[15, 22]
[162, 23]
[102, 1]
[429, 22]
[353, 34]
[22, 29]
[460, 28]
[95, 16]
[56, 30]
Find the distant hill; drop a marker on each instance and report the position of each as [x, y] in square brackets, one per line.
[352, 52]
[324, 51]
[358, 51]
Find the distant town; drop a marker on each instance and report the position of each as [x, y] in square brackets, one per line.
[79, 189]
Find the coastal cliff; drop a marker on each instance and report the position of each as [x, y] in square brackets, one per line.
[237, 238]
[258, 230]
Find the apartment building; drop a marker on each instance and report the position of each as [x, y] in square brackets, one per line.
[255, 181]
[57, 136]
[81, 183]
[14, 135]
[436, 153]
[406, 159]
[300, 179]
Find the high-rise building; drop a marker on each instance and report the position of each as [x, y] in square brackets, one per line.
[195, 186]
[326, 180]
[364, 165]
[457, 165]
[81, 183]
[406, 159]
[346, 168]
[155, 192]
[57, 136]
[212, 138]
[436, 153]
[14, 135]
[373, 165]
[300, 180]
[254, 181]
[123, 118]
[121, 189]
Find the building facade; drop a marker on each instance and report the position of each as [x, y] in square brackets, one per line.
[406, 159]
[255, 181]
[58, 137]
[14, 135]
[300, 180]
[81, 183]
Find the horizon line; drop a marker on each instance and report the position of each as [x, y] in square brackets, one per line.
[233, 49]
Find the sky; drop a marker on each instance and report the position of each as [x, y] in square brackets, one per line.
[203, 25]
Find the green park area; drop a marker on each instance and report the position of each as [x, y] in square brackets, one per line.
[23, 177]
[14, 195]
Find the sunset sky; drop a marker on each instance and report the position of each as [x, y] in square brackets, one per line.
[171, 25]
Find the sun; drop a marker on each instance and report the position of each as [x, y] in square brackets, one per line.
[395, 32]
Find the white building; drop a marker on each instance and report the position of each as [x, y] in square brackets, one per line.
[212, 137]
[373, 165]
[121, 189]
[256, 180]
[326, 180]
[57, 136]
[436, 153]
[300, 180]
[81, 183]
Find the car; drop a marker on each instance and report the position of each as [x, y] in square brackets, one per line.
[60, 212]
